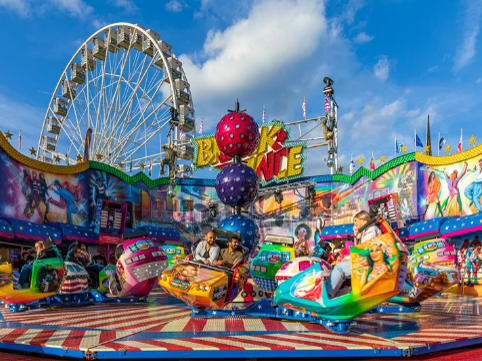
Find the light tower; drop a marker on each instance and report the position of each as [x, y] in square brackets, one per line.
[332, 125]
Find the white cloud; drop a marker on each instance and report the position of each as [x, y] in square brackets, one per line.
[382, 68]
[15, 115]
[20, 7]
[479, 80]
[362, 38]
[467, 50]
[127, 5]
[75, 8]
[350, 10]
[432, 69]
[375, 120]
[257, 52]
[174, 6]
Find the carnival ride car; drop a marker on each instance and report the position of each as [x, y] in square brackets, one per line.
[378, 273]
[174, 252]
[58, 283]
[206, 287]
[47, 277]
[273, 254]
[431, 272]
[139, 263]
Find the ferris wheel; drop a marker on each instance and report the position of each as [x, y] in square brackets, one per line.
[122, 100]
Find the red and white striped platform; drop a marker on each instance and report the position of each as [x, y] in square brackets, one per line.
[163, 329]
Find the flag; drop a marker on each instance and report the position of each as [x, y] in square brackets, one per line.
[327, 104]
[130, 168]
[20, 139]
[372, 163]
[352, 165]
[304, 107]
[264, 114]
[398, 147]
[201, 126]
[418, 141]
[441, 143]
[150, 168]
[459, 147]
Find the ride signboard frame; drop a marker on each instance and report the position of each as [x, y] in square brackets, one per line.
[274, 160]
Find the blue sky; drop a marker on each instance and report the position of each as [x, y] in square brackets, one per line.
[393, 62]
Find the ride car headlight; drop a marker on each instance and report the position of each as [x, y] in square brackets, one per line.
[141, 256]
[206, 288]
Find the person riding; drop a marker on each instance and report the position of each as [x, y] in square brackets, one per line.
[342, 270]
[77, 255]
[43, 252]
[231, 255]
[207, 251]
[25, 274]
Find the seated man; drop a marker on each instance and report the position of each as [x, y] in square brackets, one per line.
[342, 270]
[230, 255]
[25, 274]
[207, 251]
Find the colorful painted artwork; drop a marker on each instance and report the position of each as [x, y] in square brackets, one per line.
[376, 268]
[450, 190]
[36, 196]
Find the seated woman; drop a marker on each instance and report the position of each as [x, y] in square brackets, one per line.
[231, 255]
[44, 252]
[342, 270]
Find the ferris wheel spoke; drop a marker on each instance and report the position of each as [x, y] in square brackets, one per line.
[121, 145]
[129, 102]
[147, 138]
[118, 83]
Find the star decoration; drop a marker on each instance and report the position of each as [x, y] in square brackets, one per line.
[447, 149]
[121, 165]
[360, 161]
[8, 135]
[32, 152]
[340, 169]
[98, 156]
[57, 159]
[426, 149]
[214, 313]
[382, 159]
[472, 141]
[142, 165]
[79, 158]
[404, 149]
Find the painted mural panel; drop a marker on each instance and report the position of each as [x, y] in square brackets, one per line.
[32, 195]
[450, 190]
[104, 186]
[335, 203]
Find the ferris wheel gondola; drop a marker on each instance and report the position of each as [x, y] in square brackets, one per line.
[126, 85]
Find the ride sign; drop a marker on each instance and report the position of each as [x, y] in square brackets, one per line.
[273, 160]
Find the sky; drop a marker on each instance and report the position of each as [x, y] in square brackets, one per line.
[392, 62]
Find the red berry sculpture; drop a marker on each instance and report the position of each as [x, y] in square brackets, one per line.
[237, 134]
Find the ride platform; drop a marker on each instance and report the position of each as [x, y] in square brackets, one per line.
[163, 328]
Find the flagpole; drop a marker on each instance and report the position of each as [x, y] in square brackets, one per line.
[461, 141]
[438, 145]
[415, 139]
[395, 146]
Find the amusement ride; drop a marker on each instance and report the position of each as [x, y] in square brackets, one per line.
[124, 101]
